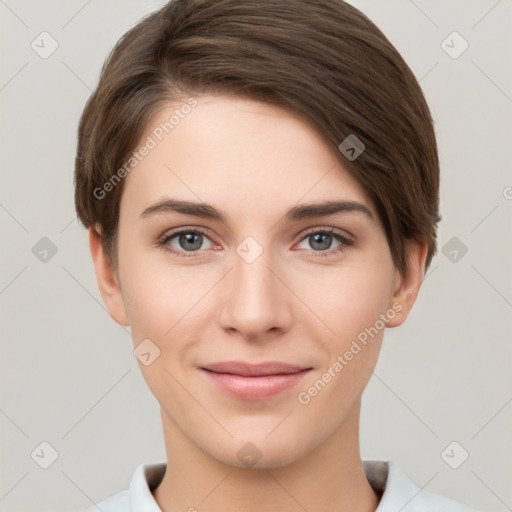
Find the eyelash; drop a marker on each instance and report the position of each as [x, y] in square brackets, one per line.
[344, 241]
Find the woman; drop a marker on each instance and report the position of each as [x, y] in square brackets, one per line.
[260, 182]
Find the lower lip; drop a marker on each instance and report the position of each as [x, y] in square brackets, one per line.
[255, 388]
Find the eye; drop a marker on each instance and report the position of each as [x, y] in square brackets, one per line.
[188, 242]
[185, 241]
[321, 240]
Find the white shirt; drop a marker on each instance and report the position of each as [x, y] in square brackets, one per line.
[398, 493]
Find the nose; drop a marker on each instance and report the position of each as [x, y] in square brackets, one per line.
[255, 299]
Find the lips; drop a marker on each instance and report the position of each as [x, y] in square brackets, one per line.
[254, 370]
[249, 381]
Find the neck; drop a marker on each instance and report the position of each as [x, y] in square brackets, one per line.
[330, 477]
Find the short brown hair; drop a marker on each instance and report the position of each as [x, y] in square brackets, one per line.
[322, 59]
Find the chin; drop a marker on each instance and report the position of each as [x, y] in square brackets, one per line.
[254, 450]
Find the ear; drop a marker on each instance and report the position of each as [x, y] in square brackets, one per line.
[107, 279]
[407, 285]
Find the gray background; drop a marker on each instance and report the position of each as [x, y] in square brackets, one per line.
[68, 374]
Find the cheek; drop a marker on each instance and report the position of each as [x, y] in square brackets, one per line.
[157, 295]
[352, 309]
[354, 299]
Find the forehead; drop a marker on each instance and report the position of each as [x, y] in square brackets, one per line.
[250, 157]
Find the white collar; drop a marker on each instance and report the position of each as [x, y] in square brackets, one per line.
[397, 492]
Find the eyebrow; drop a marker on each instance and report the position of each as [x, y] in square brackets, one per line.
[304, 211]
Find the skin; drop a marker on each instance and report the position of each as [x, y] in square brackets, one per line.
[253, 161]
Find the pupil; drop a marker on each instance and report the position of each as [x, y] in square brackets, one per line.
[188, 241]
[323, 240]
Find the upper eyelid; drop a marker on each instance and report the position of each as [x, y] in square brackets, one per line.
[331, 230]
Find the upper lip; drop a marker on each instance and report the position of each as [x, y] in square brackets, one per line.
[254, 370]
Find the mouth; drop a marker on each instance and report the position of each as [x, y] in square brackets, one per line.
[254, 381]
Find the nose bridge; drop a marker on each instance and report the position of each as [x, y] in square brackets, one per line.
[255, 299]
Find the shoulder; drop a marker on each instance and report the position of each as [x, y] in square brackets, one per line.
[398, 492]
[139, 495]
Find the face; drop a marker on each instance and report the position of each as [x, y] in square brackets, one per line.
[258, 305]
